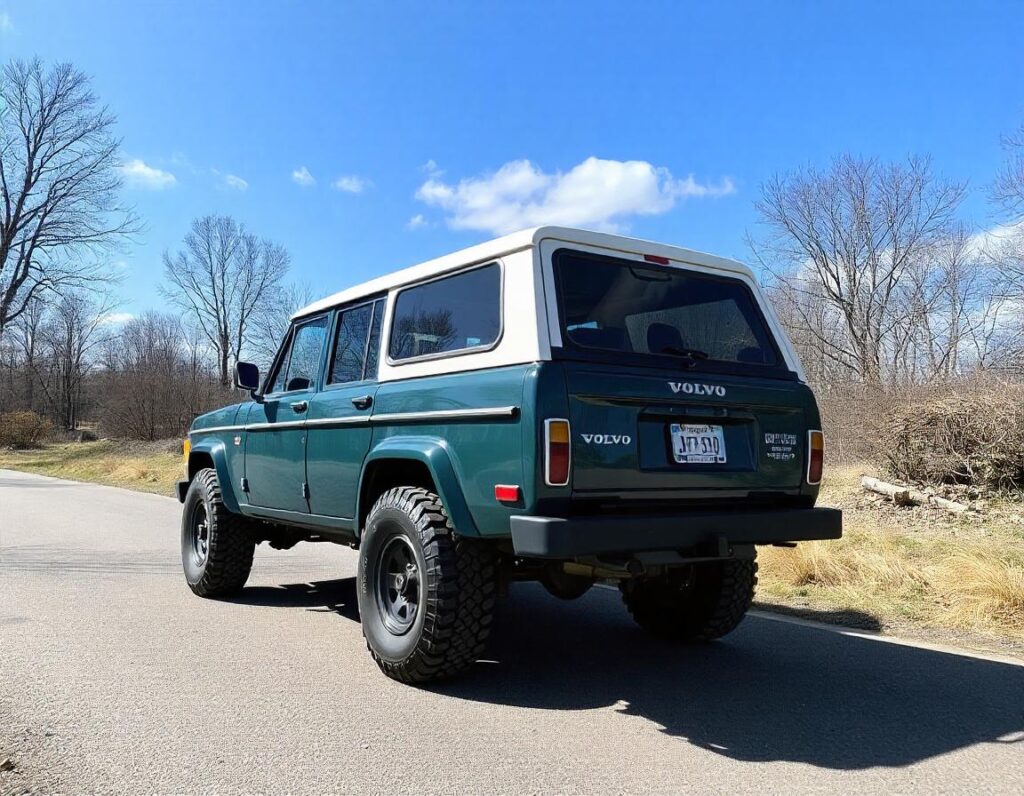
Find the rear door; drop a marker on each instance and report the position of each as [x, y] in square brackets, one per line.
[675, 383]
[338, 427]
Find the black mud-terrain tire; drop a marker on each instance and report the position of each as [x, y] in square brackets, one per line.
[221, 567]
[455, 589]
[700, 603]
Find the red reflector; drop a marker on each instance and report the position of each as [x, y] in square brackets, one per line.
[506, 493]
[655, 258]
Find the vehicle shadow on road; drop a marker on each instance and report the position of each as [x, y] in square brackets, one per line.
[337, 595]
[770, 691]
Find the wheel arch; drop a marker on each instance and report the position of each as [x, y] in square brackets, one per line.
[418, 461]
[210, 453]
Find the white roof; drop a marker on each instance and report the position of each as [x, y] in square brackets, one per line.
[517, 241]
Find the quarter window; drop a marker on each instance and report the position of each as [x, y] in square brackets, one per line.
[298, 366]
[456, 313]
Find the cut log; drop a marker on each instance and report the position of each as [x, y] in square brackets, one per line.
[905, 496]
[900, 495]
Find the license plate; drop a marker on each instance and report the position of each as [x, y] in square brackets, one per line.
[697, 444]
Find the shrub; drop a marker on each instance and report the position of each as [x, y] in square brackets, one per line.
[23, 429]
[973, 434]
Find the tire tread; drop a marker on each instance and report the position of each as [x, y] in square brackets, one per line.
[461, 591]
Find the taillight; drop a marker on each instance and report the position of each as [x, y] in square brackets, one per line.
[815, 456]
[556, 452]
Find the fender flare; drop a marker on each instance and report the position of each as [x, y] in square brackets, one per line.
[433, 453]
[214, 448]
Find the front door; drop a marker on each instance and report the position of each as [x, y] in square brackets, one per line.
[275, 445]
[338, 421]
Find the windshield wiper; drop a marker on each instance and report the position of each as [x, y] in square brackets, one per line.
[685, 353]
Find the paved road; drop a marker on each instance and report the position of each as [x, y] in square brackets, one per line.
[114, 677]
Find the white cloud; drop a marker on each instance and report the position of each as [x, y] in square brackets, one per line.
[350, 184]
[995, 238]
[116, 318]
[5, 22]
[301, 176]
[595, 193]
[416, 222]
[139, 175]
[235, 182]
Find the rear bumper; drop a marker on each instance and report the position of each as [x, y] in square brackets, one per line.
[553, 537]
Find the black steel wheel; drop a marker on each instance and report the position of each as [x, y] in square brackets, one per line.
[425, 594]
[199, 532]
[398, 585]
[216, 546]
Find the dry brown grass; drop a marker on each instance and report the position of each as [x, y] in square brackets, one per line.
[148, 467]
[907, 566]
[982, 588]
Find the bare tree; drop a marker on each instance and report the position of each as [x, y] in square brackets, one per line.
[154, 379]
[58, 185]
[268, 327]
[71, 336]
[1008, 189]
[1004, 249]
[225, 276]
[851, 234]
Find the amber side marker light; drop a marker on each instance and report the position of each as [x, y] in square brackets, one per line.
[556, 452]
[186, 448]
[815, 456]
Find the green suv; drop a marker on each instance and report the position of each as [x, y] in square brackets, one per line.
[556, 405]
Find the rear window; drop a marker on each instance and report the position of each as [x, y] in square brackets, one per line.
[456, 313]
[622, 306]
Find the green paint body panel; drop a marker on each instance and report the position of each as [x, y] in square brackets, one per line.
[467, 456]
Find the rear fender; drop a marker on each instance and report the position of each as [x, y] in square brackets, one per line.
[433, 453]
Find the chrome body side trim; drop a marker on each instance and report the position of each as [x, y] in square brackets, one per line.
[357, 420]
[445, 414]
[214, 429]
[386, 417]
[276, 426]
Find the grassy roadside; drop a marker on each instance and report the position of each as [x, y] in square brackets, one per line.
[144, 466]
[912, 571]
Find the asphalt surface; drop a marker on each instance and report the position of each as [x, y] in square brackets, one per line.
[115, 678]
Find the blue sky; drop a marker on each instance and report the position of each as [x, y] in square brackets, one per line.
[369, 136]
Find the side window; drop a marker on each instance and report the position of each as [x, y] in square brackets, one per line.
[277, 383]
[451, 314]
[298, 366]
[355, 347]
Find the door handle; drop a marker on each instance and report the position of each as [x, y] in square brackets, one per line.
[363, 402]
[300, 406]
